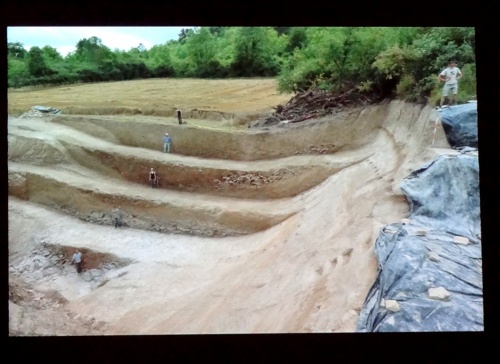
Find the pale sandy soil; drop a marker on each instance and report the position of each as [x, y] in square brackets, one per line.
[290, 259]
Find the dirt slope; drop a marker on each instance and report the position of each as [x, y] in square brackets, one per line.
[294, 254]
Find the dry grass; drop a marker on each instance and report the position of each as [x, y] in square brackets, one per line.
[235, 100]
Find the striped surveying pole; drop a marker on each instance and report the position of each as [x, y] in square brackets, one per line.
[435, 129]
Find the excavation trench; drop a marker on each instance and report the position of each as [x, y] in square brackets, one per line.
[304, 263]
[264, 184]
[86, 203]
[321, 136]
[50, 264]
[286, 177]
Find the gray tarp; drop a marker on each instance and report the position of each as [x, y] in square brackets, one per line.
[444, 198]
[47, 109]
[460, 125]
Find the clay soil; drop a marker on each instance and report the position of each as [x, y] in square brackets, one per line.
[250, 231]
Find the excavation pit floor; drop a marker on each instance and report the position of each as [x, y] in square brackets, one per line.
[267, 231]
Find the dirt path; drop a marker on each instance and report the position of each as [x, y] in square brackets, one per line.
[303, 262]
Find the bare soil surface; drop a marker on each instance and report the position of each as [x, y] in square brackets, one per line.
[250, 231]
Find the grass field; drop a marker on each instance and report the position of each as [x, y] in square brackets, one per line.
[197, 98]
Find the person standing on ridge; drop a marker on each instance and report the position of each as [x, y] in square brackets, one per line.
[77, 259]
[166, 143]
[116, 214]
[450, 77]
[153, 178]
[179, 117]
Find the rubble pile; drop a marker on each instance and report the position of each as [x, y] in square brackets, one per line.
[322, 149]
[40, 312]
[252, 179]
[40, 112]
[311, 104]
[47, 262]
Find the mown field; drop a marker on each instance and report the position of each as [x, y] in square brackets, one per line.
[155, 97]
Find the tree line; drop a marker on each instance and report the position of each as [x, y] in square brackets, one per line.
[387, 61]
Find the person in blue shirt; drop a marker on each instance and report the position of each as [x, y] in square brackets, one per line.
[166, 143]
[77, 259]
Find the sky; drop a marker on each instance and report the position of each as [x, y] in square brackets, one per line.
[64, 39]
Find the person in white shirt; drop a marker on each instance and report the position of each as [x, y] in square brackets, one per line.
[450, 77]
[77, 259]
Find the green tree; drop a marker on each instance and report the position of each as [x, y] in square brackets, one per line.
[254, 53]
[18, 73]
[218, 31]
[185, 34]
[201, 55]
[36, 63]
[51, 54]
[416, 65]
[93, 51]
[16, 50]
[297, 38]
[282, 30]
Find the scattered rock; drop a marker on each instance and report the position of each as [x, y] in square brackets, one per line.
[96, 216]
[390, 230]
[420, 232]
[382, 303]
[405, 221]
[102, 283]
[50, 271]
[96, 325]
[352, 313]
[95, 272]
[86, 276]
[392, 305]
[460, 240]
[434, 257]
[438, 293]
[40, 112]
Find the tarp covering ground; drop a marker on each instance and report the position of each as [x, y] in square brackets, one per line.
[460, 125]
[423, 253]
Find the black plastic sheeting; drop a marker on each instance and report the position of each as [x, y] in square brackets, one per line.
[460, 125]
[444, 198]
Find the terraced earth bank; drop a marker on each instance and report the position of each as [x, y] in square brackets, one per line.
[250, 231]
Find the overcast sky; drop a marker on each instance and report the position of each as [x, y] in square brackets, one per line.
[64, 39]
